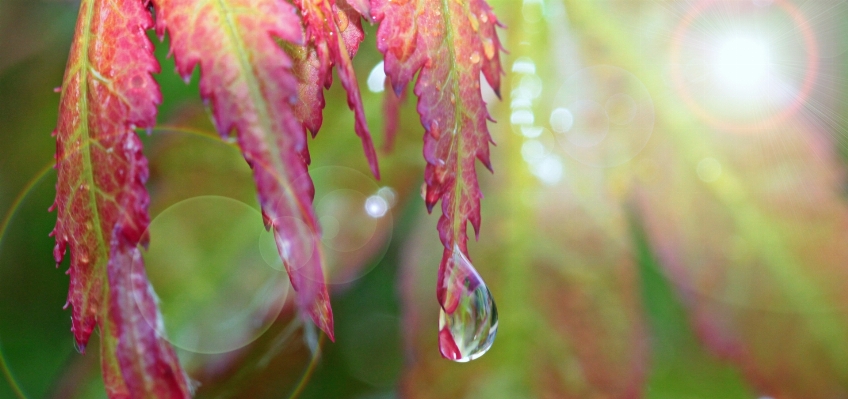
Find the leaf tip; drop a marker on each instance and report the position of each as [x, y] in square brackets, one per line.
[321, 313]
[79, 346]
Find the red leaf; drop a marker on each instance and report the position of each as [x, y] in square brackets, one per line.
[248, 80]
[309, 109]
[131, 329]
[333, 31]
[100, 196]
[361, 6]
[449, 44]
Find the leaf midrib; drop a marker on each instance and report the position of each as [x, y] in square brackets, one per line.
[82, 129]
[256, 96]
[459, 186]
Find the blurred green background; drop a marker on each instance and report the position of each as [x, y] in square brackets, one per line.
[666, 219]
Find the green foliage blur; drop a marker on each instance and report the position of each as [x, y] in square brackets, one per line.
[667, 218]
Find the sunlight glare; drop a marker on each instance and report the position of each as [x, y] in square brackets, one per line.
[742, 65]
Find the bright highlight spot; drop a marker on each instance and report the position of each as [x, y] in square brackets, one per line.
[532, 151]
[520, 102]
[524, 65]
[522, 117]
[561, 120]
[531, 132]
[548, 170]
[376, 206]
[377, 79]
[531, 85]
[742, 65]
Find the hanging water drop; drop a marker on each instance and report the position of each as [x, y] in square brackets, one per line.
[475, 57]
[468, 318]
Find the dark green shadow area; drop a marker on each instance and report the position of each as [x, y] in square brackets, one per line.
[367, 358]
[35, 333]
[681, 367]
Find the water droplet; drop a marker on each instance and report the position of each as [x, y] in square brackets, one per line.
[475, 24]
[475, 57]
[484, 17]
[488, 48]
[453, 98]
[468, 318]
[435, 131]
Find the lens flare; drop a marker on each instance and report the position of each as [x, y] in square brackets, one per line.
[742, 66]
[760, 61]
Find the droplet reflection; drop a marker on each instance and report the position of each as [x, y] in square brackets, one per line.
[468, 327]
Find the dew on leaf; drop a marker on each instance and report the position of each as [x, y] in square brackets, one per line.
[475, 23]
[342, 20]
[468, 318]
[488, 48]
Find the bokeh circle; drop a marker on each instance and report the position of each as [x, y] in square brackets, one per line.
[216, 291]
[356, 221]
[602, 116]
